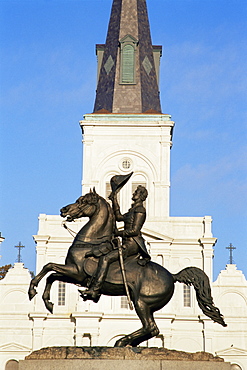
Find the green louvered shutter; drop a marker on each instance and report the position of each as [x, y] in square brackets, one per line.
[128, 64]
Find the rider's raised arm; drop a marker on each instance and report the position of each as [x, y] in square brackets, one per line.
[116, 208]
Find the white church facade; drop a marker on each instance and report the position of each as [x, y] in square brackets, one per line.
[126, 132]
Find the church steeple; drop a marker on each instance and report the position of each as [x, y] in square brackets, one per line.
[128, 63]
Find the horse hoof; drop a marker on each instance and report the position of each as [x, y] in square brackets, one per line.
[31, 293]
[123, 342]
[83, 295]
[49, 306]
[89, 294]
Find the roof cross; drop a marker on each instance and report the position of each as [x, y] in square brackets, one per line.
[19, 246]
[231, 248]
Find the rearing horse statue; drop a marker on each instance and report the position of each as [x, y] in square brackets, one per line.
[151, 286]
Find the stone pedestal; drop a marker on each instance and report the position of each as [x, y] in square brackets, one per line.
[106, 358]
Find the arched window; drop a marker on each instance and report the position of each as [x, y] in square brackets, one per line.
[124, 302]
[12, 365]
[187, 296]
[128, 48]
[128, 60]
[160, 259]
[61, 293]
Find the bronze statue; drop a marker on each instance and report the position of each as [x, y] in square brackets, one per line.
[92, 261]
[133, 242]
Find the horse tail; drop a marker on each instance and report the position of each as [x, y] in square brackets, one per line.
[200, 281]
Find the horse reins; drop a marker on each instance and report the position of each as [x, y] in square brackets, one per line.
[72, 232]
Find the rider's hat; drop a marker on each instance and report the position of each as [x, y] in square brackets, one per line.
[118, 181]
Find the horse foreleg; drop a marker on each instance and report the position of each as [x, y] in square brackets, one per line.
[35, 281]
[148, 330]
[46, 295]
[69, 270]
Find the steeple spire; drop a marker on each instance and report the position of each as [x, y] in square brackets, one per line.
[128, 63]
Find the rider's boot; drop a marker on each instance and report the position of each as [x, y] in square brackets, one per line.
[143, 261]
[93, 292]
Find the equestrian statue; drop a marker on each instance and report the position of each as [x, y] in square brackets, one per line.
[99, 262]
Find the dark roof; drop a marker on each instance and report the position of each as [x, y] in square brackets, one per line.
[128, 17]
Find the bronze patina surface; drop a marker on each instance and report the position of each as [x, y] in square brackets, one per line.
[147, 284]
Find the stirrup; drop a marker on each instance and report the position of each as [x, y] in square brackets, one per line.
[143, 261]
[91, 294]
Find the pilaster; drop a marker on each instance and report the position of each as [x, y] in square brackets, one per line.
[41, 248]
[207, 255]
[38, 329]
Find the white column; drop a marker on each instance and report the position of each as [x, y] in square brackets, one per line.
[38, 330]
[41, 248]
[207, 255]
[88, 141]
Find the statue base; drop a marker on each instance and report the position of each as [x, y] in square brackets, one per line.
[112, 358]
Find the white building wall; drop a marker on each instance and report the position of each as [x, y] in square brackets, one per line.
[174, 242]
[27, 326]
[142, 139]
[15, 326]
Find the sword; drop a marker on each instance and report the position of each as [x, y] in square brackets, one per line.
[124, 274]
[117, 182]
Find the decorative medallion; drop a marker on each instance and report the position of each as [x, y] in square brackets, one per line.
[126, 164]
[147, 65]
[108, 65]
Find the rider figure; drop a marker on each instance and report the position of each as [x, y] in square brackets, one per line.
[132, 240]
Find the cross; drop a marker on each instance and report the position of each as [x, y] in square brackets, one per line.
[19, 246]
[231, 248]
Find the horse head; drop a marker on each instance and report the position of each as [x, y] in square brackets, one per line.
[85, 206]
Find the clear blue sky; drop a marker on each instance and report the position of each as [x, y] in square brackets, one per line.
[48, 81]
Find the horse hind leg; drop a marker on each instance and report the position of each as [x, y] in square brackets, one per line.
[148, 330]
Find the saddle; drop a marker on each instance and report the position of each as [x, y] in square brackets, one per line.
[114, 275]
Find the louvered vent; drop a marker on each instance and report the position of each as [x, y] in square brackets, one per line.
[128, 64]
